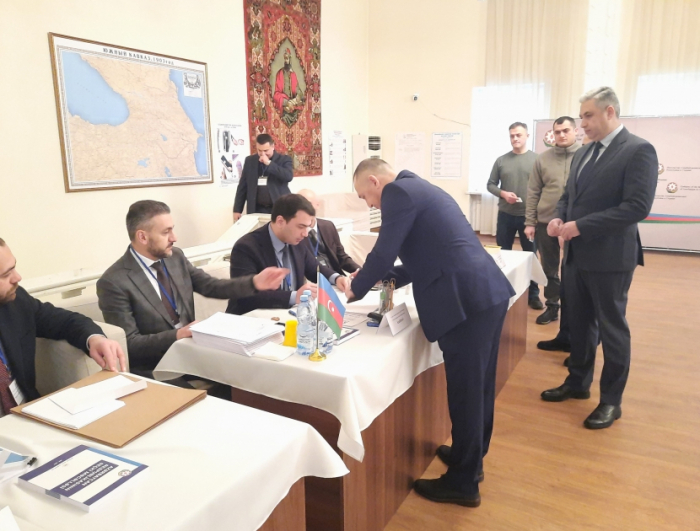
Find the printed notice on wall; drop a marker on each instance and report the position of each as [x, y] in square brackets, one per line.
[446, 156]
[410, 152]
[337, 154]
[231, 151]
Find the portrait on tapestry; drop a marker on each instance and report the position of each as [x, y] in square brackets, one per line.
[284, 78]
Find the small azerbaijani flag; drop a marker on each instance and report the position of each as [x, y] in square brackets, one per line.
[330, 309]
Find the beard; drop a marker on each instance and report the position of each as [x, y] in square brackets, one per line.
[9, 296]
[158, 252]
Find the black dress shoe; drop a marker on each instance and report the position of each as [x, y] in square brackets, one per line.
[602, 417]
[554, 345]
[549, 315]
[535, 304]
[444, 452]
[436, 490]
[563, 392]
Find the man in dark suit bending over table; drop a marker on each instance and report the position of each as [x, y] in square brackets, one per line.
[461, 297]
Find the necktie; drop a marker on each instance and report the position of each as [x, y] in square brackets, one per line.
[287, 265]
[314, 240]
[7, 401]
[165, 287]
[587, 171]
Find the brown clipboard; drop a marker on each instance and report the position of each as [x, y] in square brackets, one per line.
[144, 410]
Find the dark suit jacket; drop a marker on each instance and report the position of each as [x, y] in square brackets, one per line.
[128, 300]
[25, 319]
[279, 173]
[254, 252]
[452, 273]
[338, 259]
[608, 207]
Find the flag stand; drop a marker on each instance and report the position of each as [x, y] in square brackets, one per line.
[317, 355]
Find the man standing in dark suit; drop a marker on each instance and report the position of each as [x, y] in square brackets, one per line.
[266, 177]
[278, 243]
[24, 318]
[324, 241]
[610, 189]
[462, 298]
[149, 291]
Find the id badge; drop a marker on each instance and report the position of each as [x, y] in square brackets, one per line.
[262, 181]
[17, 393]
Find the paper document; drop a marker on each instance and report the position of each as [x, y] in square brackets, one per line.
[79, 400]
[47, 410]
[353, 319]
[7, 520]
[12, 464]
[273, 352]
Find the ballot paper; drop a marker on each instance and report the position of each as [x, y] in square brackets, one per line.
[84, 398]
[46, 409]
[236, 333]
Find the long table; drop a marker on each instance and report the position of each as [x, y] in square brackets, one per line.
[215, 466]
[379, 400]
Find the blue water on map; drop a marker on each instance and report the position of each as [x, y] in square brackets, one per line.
[143, 162]
[88, 95]
[167, 172]
[165, 138]
[194, 109]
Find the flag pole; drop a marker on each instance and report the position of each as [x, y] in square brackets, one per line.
[317, 355]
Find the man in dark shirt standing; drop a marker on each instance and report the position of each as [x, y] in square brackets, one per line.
[266, 177]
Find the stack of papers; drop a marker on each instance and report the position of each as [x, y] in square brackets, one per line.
[76, 408]
[236, 333]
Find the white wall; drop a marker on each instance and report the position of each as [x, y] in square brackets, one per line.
[436, 49]
[51, 231]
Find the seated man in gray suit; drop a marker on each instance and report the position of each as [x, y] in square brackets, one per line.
[149, 291]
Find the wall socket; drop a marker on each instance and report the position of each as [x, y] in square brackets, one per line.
[415, 97]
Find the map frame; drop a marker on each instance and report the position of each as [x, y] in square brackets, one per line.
[59, 43]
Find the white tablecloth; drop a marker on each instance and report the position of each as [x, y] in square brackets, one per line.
[358, 381]
[215, 466]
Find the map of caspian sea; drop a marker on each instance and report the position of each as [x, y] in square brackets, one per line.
[131, 121]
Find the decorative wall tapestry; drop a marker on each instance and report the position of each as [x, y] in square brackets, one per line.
[283, 50]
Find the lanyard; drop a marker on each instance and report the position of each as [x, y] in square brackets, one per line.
[162, 288]
[3, 359]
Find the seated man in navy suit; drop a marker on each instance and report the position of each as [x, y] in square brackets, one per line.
[324, 241]
[461, 297]
[277, 245]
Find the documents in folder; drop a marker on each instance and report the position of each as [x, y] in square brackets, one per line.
[75, 408]
[235, 333]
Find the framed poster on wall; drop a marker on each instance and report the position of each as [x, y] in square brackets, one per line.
[129, 118]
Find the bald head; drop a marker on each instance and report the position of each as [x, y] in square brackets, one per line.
[311, 196]
[370, 178]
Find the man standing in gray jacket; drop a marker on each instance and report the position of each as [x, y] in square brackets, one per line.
[545, 187]
[508, 182]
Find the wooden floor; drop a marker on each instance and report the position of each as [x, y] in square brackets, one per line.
[546, 472]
